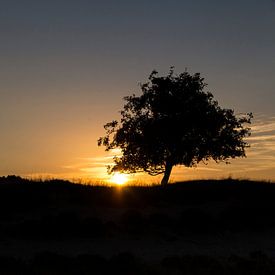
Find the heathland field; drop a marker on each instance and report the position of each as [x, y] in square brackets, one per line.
[199, 227]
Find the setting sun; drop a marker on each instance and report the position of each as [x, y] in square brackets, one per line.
[119, 179]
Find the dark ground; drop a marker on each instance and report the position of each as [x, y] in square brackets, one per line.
[200, 227]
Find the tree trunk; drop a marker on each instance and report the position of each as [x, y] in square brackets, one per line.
[167, 173]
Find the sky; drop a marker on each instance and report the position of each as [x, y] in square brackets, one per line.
[66, 65]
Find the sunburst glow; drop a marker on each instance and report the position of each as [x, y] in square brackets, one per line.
[119, 179]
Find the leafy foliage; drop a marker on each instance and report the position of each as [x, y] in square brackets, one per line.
[174, 122]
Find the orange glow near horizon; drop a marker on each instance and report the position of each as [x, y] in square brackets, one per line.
[80, 166]
[119, 179]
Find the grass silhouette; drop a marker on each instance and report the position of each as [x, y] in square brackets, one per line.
[57, 213]
[239, 205]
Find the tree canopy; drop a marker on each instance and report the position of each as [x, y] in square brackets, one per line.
[174, 122]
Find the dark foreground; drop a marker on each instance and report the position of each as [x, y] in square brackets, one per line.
[202, 227]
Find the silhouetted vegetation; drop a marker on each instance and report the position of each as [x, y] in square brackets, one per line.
[60, 212]
[53, 209]
[174, 122]
[45, 263]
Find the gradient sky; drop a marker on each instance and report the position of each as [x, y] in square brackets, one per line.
[65, 66]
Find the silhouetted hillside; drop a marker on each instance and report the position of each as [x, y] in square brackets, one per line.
[23, 192]
[199, 206]
[164, 224]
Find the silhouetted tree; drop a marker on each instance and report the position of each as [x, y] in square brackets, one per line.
[174, 122]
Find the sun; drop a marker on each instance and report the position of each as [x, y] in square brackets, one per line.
[119, 179]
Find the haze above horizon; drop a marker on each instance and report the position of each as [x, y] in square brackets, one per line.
[65, 66]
